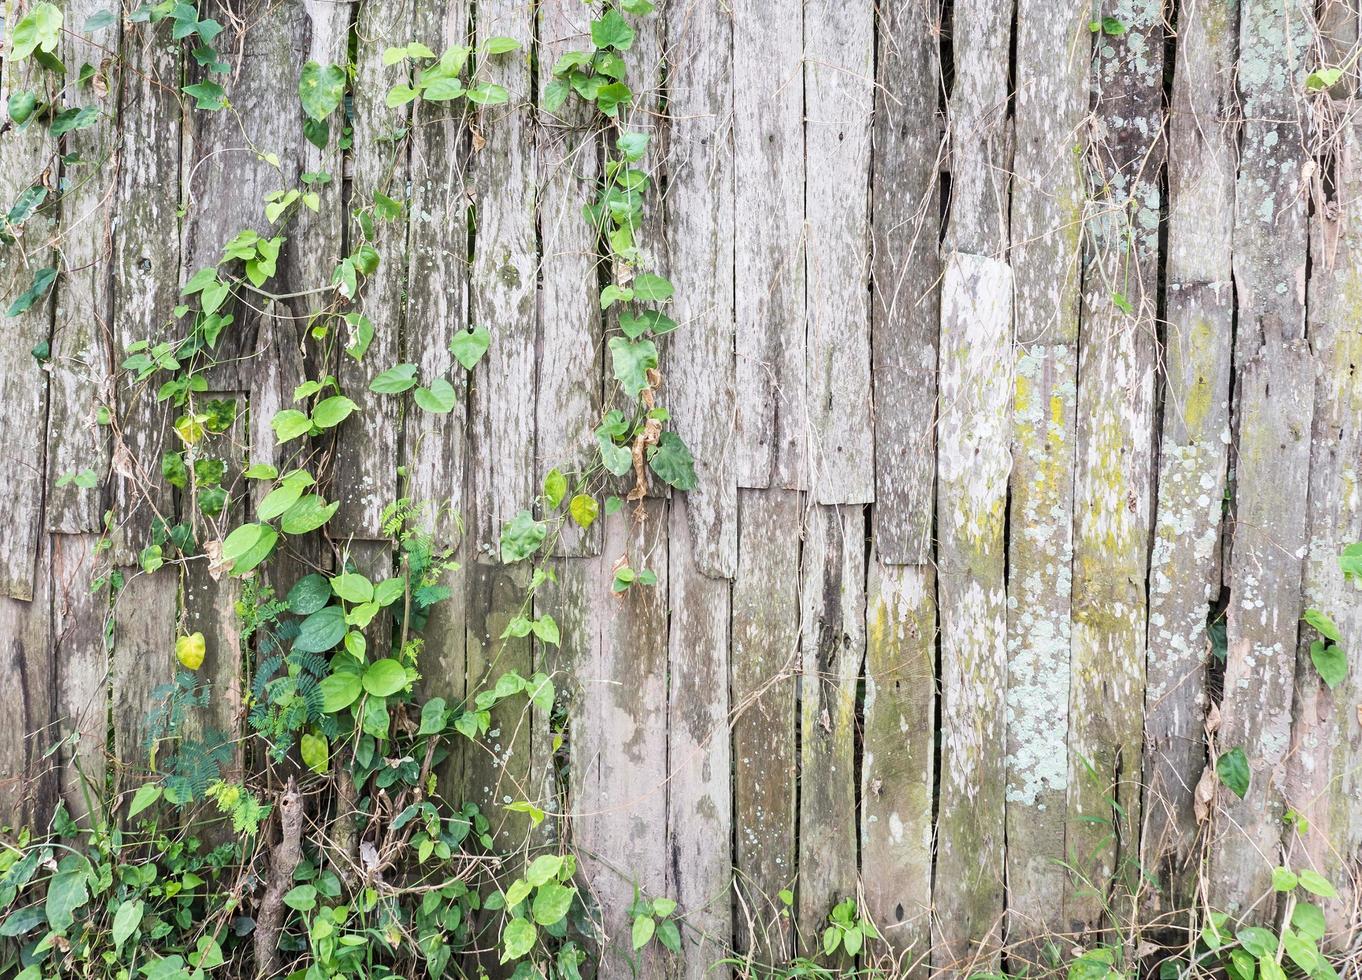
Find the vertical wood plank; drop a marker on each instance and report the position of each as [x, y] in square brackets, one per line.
[765, 658]
[897, 784]
[1184, 574]
[699, 793]
[1053, 47]
[81, 658]
[832, 651]
[700, 255]
[27, 160]
[502, 286]
[83, 325]
[1324, 775]
[28, 781]
[838, 106]
[906, 276]
[974, 413]
[568, 383]
[1272, 417]
[366, 444]
[618, 732]
[1112, 490]
[144, 615]
[772, 439]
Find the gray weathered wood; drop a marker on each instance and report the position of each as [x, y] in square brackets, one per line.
[81, 658]
[765, 661]
[502, 286]
[832, 650]
[1274, 382]
[906, 276]
[699, 794]
[1117, 357]
[1053, 46]
[838, 105]
[28, 780]
[897, 785]
[144, 614]
[1184, 573]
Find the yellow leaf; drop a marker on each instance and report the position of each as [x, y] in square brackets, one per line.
[189, 650]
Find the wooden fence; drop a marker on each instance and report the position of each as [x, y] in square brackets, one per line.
[1021, 358]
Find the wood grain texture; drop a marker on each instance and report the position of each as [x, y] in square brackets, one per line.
[975, 394]
[832, 652]
[1053, 45]
[1117, 356]
[26, 161]
[28, 780]
[366, 444]
[617, 730]
[772, 440]
[144, 615]
[1274, 382]
[1184, 572]
[82, 331]
[906, 276]
[568, 381]
[838, 106]
[765, 660]
[897, 785]
[81, 659]
[1323, 765]
[699, 788]
[501, 293]
[700, 254]
[146, 273]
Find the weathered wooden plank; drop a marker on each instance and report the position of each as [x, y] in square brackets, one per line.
[366, 444]
[27, 161]
[906, 275]
[146, 270]
[765, 661]
[1117, 358]
[839, 102]
[568, 382]
[81, 659]
[1184, 574]
[897, 784]
[83, 324]
[144, 615]
[618, 730]
[974, 413]
[1324, 770]
[832, 651]
[502, 284]
[1053, 47]
[700, 253]
[771, 444]
[1274, 382]
[28, 781]
[699, 793]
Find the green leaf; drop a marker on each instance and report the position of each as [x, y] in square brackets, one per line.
[126, 920]
[248, 546]
[543, 868]
[616, 459]
[1269, 968]
[555, 487]
[309, 593]
[320, 89]
[468, 346]
[67, 891]
[1316, 884]
[1257, 940]
[633, 145]
[42, 279]
[308, 514]
[1350, 563]
[71, 120]
[331, 412]
[500, 45]
[1302, 951]
[303, 898]
[289, 423]
[612, 31]
[315, 752]
[339, 691]
[487, 93]
[517, 939]
[521, 537]
[385, 677]
[208, 96]
[584, 510]
[669, 935]
[353, 587]
[1308, 920]
[1233, 769]
[1325, 626]
[39, 30]
[1331, 662]
[1322, 78]
[551, 903]
[670, 459]
[146, 795]
[438, 399]
[321, 631]
[546, 629]
[434, 715]
[631, 361]
[652, 289]
[643, 930]
[395, 380]
[1283, 880]
[664, 906]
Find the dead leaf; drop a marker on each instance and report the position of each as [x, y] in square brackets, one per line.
[1203, 798]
